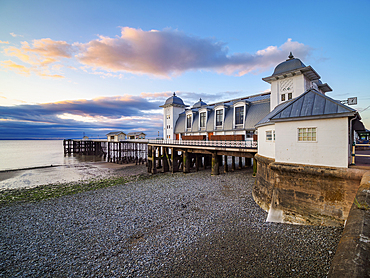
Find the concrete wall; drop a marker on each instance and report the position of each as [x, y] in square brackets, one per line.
[306, 194]
[266, 148]
[330, 149]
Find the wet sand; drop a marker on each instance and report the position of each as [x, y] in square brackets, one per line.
[59, 174]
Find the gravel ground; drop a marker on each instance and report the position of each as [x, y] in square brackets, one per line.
[169, 225]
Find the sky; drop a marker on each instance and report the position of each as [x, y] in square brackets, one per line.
[75, 68]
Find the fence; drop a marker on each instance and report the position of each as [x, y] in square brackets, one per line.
[229, 144]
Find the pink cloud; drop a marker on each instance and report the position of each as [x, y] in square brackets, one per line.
[43, 57]
[163, 54]
[171, 52]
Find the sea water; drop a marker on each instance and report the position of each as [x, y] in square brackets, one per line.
[23, 154]
[26, 163]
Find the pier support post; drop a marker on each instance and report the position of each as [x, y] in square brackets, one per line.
[226, 166]
[154, 162]
[159, 157]
[233, 163]
[165, 160]
[174, 166]
[240, 163]
[108, 152]
[215, 164]
[185, 161]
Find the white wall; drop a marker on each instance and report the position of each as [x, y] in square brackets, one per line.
[266, 148]
[330, 149]
[299, 87]
[174, 115]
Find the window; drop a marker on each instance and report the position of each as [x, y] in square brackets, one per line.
[239, 115]
[282, 97]
[269, 135]
[290, 95]
[307, 134]
[188, 121]
[219, 116]
[203, 119]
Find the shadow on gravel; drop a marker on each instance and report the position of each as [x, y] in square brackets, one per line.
[270, 250]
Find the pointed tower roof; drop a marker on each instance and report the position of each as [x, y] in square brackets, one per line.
[199, 104]
[173, 101]
[292, 66]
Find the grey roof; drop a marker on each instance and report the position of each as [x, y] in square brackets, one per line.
[210, 125]
[135, 133]
[228, 118]
[195, 123]
[277, 109]
[288, 65]
[174, 100]
[180, 123]
[199, 104]
[258, 98]
[292, 65]
[255, 113]
[115, 133]
[311, 104]
[256, 108]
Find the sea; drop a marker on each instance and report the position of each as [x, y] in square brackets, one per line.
[23, 154]
[30, 163]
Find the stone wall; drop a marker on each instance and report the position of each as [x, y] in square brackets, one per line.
[311, 195]
[352, 258]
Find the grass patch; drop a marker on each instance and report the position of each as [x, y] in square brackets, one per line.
[57, 190]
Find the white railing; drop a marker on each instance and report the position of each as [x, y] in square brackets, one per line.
[229, 144]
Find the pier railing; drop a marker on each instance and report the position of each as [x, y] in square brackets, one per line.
[354, 154]
[229, 144]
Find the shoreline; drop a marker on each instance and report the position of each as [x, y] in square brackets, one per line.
[38, 176]
[30, 168]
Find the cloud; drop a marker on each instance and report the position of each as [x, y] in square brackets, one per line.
[162, 54]
[15, 35]
[43, 57]
[10, 65]
[98, 116]
[171, 52]
[4, 42]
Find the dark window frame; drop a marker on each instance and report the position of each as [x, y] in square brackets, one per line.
[202, 117]
[219, 117]
[239, 115]
[188, 121]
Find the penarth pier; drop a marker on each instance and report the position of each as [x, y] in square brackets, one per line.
[124, 151]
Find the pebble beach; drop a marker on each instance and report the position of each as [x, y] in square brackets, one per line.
[166, 225]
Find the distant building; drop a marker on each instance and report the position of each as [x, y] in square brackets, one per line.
[116, 136]
[136, 135]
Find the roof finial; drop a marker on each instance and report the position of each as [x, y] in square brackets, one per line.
[290, 56]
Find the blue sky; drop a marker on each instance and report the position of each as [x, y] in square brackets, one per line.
[74, 67]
